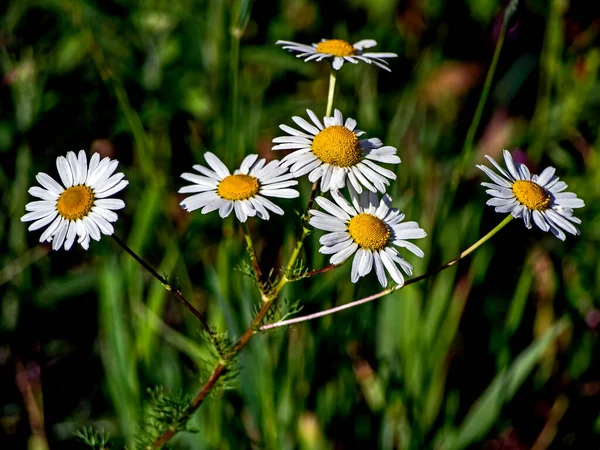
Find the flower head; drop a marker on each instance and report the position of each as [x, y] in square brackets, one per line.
[243, 191]
[540, 198]
[80, 208]
[341, 51]
[332, 151]
[368, 228]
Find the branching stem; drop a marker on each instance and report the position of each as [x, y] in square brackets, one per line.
[362, 301]
[168, 286]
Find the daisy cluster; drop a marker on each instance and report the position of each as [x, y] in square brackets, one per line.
[333, 153]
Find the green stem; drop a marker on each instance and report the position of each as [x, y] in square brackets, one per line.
[168, 286]
[362, 301]
[268, 299]
[330, 94]
[252, 253]
[234, 67]
[487, 85]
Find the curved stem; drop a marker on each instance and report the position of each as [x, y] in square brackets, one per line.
[487, 85]
[312, 273]
[175, 292]
[252, 253]
[268, 299]
[362, 301]
[330, 94]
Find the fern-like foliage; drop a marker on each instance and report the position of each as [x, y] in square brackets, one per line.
[221, 346]
[162, 412]
[246, 269]
[279, 312]
[173, 282]
[297, 272]
[95, 439]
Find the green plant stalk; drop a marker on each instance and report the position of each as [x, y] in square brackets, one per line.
[252, 254]
[221, 368]
[234, 77]
[271, 296]
[168, 286]
[327, 312]
[470, 138]
[331, 93]
[268, 298]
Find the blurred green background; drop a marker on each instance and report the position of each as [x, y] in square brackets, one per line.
[497, 352]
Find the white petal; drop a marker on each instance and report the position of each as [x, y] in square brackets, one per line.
[305, 125]
[51, 229]
[379, 270]
[42, 222]
[35, 215]
[216, 164]
[113, 190]
[71, 233]
[391, 268]
[332, 208]
[64, 170]
[61, 232]
[510, 165]
[103, 224]
[343, 255]
[247, 163]
[74, 164]
[92, 228]
[225, 209]
[110, 203]
[44, 194]
[49, 183]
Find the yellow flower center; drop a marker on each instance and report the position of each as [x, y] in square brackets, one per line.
[238, 187]
[531, 194]
[75, 202]
[369, 231]
[336, 47]
[338, 146]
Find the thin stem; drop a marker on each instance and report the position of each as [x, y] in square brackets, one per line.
[252, 253]
[470, 138]
[312, 273]
[330, 94]
[234, 67]
[268, 299]
[362, 301]
[175, 292]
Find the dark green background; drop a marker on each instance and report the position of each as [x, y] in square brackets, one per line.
[155, 84]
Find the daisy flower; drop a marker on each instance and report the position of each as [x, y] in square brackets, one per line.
[332, 151]
[540, 198]
[80, 208]
[244, 191]
[367, 228]
[341, 51]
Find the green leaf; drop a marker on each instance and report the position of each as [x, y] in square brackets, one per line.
[118, 354]
[486, 410]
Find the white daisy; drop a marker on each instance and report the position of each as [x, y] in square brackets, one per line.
[331, 151]
[341, 51]
[368, 227]
[80, 208]
[540, 198]
[244, 191]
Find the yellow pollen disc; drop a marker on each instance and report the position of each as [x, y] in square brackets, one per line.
[238, 187]
[531, 194]
[75, 202]
[336, 47]
[369, 231]
[338, 146]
